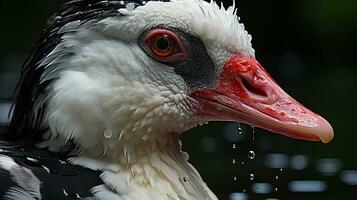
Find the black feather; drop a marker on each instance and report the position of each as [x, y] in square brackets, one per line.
[24, 127]
[59, 179]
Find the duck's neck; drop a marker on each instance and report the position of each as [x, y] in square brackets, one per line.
[155, 171]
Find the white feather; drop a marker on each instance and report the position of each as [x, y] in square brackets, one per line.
[7, 163]
[101, 192]
[217, 27]
[17, 193]
[23, 177]
[26, 180]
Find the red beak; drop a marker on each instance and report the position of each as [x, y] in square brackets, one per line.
[246, 93]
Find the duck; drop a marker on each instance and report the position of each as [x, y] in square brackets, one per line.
[111, 85]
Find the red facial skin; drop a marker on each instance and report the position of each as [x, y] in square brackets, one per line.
[246, 93]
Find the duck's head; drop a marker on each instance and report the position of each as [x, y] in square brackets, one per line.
[114, 72]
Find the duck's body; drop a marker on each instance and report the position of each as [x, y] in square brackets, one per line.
[113, 84]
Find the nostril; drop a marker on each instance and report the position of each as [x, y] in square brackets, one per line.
[253, 89]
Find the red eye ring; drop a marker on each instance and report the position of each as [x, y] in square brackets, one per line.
[164, 45]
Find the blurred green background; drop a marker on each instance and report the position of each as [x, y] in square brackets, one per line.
[308, 46]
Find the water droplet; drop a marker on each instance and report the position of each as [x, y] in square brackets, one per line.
[281, 169]
[234, 161]
[276, 177]
[185, 156]
[276, 189]
[108, 133]
[251, 155]
[235, 178]
[130, 6]
[251, 177]
[240, 131]
[121, 2]
[234, 146]
[242, 162]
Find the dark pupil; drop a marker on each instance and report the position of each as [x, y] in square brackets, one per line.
[162, 43]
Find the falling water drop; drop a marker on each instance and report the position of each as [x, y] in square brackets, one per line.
[276, 189]
[234, 161]
[234, 146]
[281, 169]
[108, 133]
[235, 178]
[276, 177]
[240, 131]
[251, 177]
[251, 155]
[242, 162]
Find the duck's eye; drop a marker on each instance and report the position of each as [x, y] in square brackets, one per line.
[164, 45]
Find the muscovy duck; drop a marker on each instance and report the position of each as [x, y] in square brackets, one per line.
[111, 85]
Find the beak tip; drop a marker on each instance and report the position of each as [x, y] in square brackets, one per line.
[325, 131]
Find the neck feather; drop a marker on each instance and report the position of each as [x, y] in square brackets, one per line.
[159, 171]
